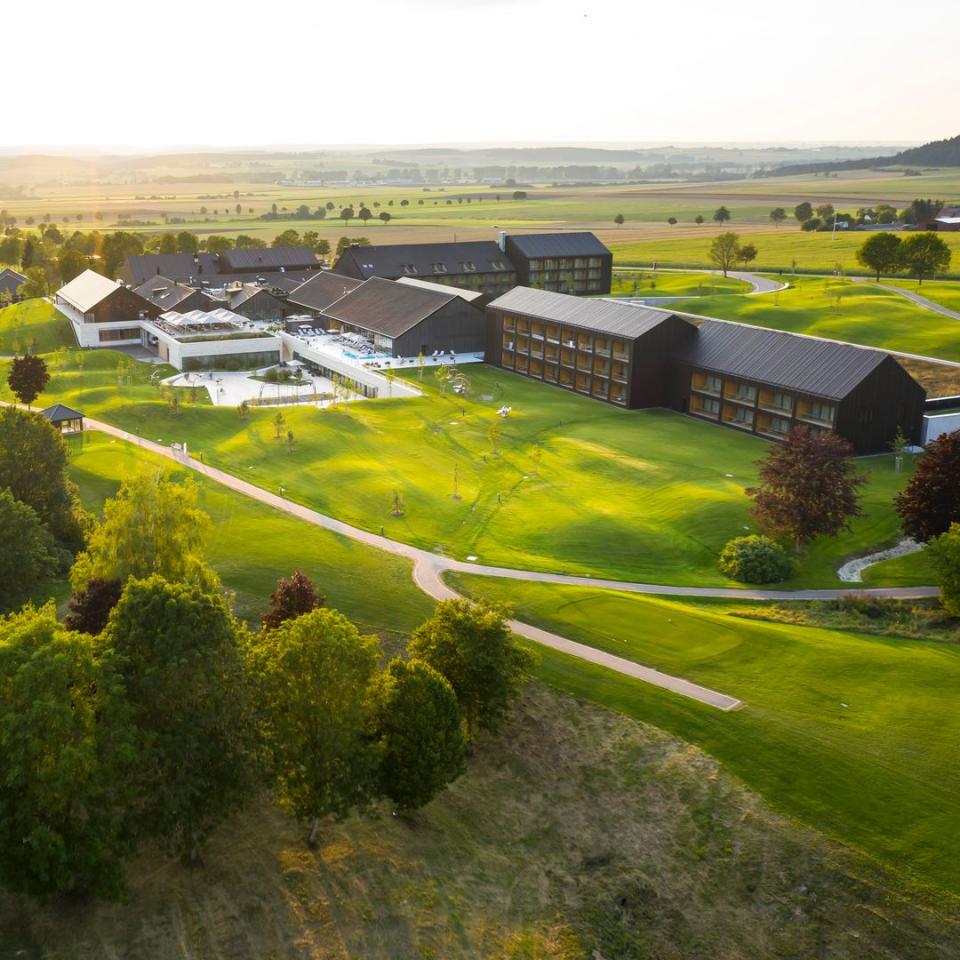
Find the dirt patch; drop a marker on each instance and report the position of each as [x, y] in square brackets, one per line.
[578, 834]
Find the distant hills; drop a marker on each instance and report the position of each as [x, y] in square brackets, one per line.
[937, 153]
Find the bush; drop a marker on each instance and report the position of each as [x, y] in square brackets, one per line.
[755, 559]
[809, 225]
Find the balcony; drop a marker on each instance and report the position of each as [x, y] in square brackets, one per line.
[739, 417]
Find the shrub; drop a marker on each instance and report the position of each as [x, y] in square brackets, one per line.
[755, 559]
[813, 224]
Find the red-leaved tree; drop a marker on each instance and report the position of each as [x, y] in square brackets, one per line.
[28, 377]
[930, 501]
[294, 596]
[808, 487]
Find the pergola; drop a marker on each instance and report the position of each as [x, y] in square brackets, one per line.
[65, 419]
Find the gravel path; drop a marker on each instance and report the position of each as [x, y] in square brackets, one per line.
[428, 570]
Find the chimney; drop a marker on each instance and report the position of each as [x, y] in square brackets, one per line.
[503, 241]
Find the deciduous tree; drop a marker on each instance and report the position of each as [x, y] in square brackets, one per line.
[803, 211]
[418, 731]
[930, 501]
[726, 252]
[152, 526]
[778, 215]
[33, 467]
[808, 487]
[945, 553]
[27, 552]
[89, 608]
[925, 255]
[178, 652]
[312, 678]
[472, 646]
[68, 750]
[721, 215]
[28, 377]
[294, 596]
[881, 253]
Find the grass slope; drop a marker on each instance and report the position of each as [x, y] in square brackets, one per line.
[841, 310]
[577, 486]
[854, 734]
[659, 283]
[33, 326]
[578, 834]
[252, 545]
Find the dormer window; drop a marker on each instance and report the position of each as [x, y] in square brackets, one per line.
[467, 266]
[409, 268]
[439, 268]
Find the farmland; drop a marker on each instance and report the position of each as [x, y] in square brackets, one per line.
[205, 198]
[851, 733]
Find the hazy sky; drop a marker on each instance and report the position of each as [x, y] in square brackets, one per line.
[348, 71]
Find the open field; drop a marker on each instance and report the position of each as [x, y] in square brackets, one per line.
[575, 486]
[779, 250]
[577, 831]
[251, 546]
[841, 310]
[854, 734]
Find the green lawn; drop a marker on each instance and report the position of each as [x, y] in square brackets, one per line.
[854, 734]
[777, 250]
[647, 283]
[252, 545]
[576, 486]
[33, 326]
[841, 310]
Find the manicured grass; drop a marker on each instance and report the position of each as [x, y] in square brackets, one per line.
[576, 486]
[251, 545]
[777, 250]
[33, 326]
[854, 734]
[841, 310]
[647, 283]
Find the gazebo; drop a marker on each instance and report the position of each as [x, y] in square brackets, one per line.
[65, 419]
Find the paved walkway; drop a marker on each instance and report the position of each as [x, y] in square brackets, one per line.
[916, 298]
[428, 570]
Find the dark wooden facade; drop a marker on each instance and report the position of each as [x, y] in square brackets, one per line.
[627, 371]
[745, 378]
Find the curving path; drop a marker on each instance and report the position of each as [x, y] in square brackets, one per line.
[429, 568]
[916, 298]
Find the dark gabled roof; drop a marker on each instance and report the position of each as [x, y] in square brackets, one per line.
[422, 259]
[602, 316]
[578, 244]
[247, 292]
[58, 413]
[174, 266]
[166, 293]
[10, 280]
[388, 308]
[822, 368]
[322, 289]
[268, 258]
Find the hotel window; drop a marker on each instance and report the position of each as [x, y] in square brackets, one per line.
[509, 323]
[709, 405]
[779, 426]
[821, 411]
